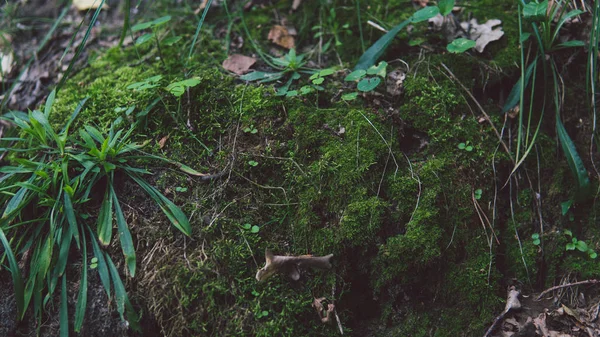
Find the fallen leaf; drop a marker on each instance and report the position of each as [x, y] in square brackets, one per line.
[238, 64]
[162, 141]
[201, 7]
[484, 33]
[421, 3]
[84, 5]
[281, 37]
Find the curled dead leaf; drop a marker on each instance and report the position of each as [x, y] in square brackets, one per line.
[162, 141]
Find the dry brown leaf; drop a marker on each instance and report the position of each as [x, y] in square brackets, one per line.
[484, 33]
[201, 7]
[84, 5]
[238, 63]
[162, 141]
[280, 36]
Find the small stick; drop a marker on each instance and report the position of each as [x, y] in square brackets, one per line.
[512, 302]
[566, 285]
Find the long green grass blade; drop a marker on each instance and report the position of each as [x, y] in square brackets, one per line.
[206, 8]
[575, 163]
[175, 215]
[126, 22]
[49, 103]
[15, 272]
[102, 268]
[81, 45]
[515, 94]
[124, 235]
[105, 219]
[71, 219]
[74, 115]
[64, 312]
[378, 48]
[120, 294]
[82, 297]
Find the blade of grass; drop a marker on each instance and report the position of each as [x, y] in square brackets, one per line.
[102, 268]
[374, 52]
[126, 22]
[124, 234]
[120, 294]
[81, 45]
[175, 215]
[82, 297]
[206, 8]
[105, 219]
[15, 272]
[41, 46]
[64, 312]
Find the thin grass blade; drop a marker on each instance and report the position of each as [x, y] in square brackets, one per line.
[124, 235]
[13, 267]
[82, 297]
[102, 267]
[175, 215]
[120, 294]
[64, 312]
[378, 48]
[105, 219]
[574, 160]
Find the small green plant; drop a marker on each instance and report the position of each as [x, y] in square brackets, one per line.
[252, 163]
[579, 245]
[154, 25]
[250, 129]
[181, 189]
[331, 29]
[262, 313]
[45, 191]
[291, 65]
[546, 22]
[366, 80]
[251, 228]
[477, 193]
[536, 239]
[179, 87]
[465, 146]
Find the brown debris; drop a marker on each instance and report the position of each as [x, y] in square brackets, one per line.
[238, 64]
[281, 36]
[324, 315]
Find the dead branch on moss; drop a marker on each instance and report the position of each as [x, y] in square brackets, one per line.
[512, 303]
[564, 286]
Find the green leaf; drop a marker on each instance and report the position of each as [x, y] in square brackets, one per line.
[425, 13]
[261, 76]
[460, 45]
[582, 246]
[105, 219]
[524, 37]
[318, 81]
[570, 246]
[143, 39]
[49, 103]
[534, 11]
[255, 229]
[515, 94]
[64, 312]
[175, 215]
[575, 163]
[13, 267]
[570, 44]
[356, 75]
[565, 206]
[350, 96]
[171, 40]
[592, 254]
[120, 294]
[178, 88]
[161, 21]
[368, 84]
[246, 226]
[445, 6]
[369, 57]
[102, 267]
[564, 19]
[124, 235]
[568, 232]
[379, 70]
[82, 296]
[326, 72]
[252, 163]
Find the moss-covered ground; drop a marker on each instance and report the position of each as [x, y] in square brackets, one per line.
[426, 235]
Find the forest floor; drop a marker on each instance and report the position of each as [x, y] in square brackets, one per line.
[450, 209]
